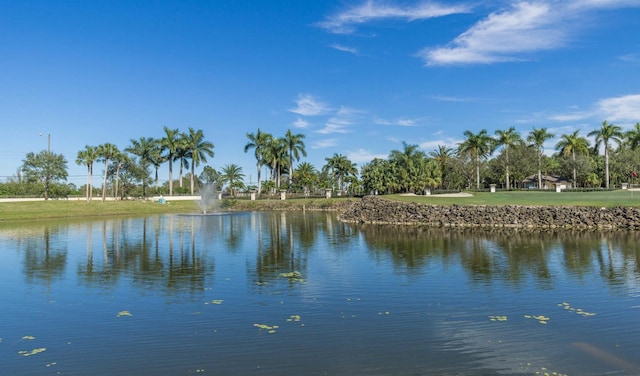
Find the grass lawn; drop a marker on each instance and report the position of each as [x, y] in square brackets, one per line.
[533, 198]
[36, 210]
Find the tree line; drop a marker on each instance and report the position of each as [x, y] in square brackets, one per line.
[504, 159]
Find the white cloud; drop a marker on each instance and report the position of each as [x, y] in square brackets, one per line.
[573, 116]
[325, 143]
[307, 105]
[432, 145]
[624, 108]
[345, 22]
[402, 122]
[525, 27]
[300, 123]
[630, 58]
[363, 156]
[342, 48]
[503, 36]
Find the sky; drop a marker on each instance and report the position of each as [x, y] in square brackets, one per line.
[356, 78]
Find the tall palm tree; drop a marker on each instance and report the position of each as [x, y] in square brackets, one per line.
[339, 167]
[569, 145]
[182, 156]
[258, 142]
[170, 144]
[443, 156]
[197, 150]
[478, 146]
[537, 137]
[145, 148]
[106, 152]
[276, 156]
[232, 174]
[607, 132]
[508, 138]
[295, 145]
[87, 157]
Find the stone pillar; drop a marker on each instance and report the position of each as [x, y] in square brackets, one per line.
[327, 193]
[427, 192]
[253, 195]
[493, 188]
[283, 194]
[219, 195]
[625, 185]
[558, 188]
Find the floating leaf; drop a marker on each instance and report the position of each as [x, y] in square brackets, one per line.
[29, 337]
[498, 318]
[32, 352]
[215, 301]
[124, 313]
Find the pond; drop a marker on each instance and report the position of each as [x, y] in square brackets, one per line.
[273, 293]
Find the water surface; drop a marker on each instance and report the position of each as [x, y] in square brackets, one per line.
[302, 293]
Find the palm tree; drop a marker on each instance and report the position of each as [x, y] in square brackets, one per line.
[306, 175]
[182, 156]
[537, 137]
[443, 156]
[295, 145]
[507, 139]
[258, 142]
[232, 174]
[570, 144]
[105, 153]
[145, 148]
[478, 146]
[87, 157]
[633, 137]
[339, 167]
[608, 132]
[276, 156]
[197, 150]
[408, 161]
[170, 144]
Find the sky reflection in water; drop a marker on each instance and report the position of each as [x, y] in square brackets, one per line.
[271, 293]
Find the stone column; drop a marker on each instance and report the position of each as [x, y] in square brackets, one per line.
[493, 188]
[219, 195]
[283, 194]
[327, 193]
[253, 195]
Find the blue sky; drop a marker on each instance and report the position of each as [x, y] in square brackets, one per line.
[355, 77]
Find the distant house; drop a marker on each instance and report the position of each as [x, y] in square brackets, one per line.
[548, 182]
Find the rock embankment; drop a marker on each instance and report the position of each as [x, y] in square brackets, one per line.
[372, 209]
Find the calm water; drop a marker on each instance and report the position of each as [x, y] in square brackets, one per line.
[304, 294]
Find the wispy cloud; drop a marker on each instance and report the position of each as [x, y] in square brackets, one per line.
[363, 156]
[342, 48]
[402, 122]
[345, 22]
[307, 105]
[324, 143]
[510, 34]
[341, 122]
[449, 98]
[624, 108]
[630, 58]
[300, 123]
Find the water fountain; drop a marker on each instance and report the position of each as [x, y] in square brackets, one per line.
[208, 199]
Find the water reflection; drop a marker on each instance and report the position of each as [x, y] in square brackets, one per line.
[178, 252]
[511, 255]
[372, 299]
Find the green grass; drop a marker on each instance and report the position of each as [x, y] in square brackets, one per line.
[533, 198]
[52, 209]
